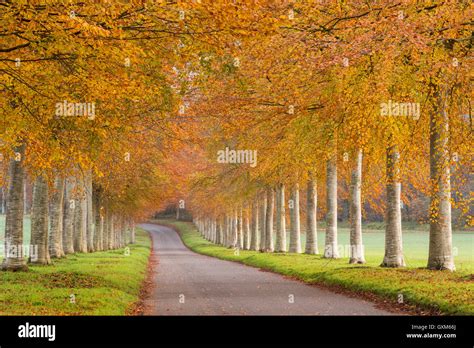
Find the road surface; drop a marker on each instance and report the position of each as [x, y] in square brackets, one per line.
[186, 283]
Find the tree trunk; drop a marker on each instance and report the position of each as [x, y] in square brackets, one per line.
[247, 235]
[240, 228]
[3, 206]
[14, 258]
[214, 230]
[107, 229]
[80, 219]
[393, 231]
[90, 212]
[224, 230]
[235, 230]
[280, 219]
[39, 222]
[331, 246]
[132, 233]
[295, 228]
[98, 220]
[269, 221]
[121, 232]
[263, 220]
[112, 231]
[254, 243]
[311, 218]
[355, 213]
[57, 205]
[69, 217]
[84, 223]
[221, 234]
[440, 247]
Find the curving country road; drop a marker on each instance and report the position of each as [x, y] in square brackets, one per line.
[186, 283]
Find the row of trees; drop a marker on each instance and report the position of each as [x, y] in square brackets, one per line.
[87, 114]
[67, 217]
[315, 100]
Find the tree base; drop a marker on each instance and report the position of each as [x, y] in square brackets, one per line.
[14, 268]
[437, 266]
[392, 264]
[357, 261]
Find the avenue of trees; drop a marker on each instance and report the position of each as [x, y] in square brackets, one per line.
[311, 100]
[114, 110]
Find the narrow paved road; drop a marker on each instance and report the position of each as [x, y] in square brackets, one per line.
[186, 283]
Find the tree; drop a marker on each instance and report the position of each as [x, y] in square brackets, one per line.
[311, 217]
[56, 218]
[295, 231]
[440, 247]
[331, 247]
[280, 219]
[14, 258]
[393, 230]
[357, 247]
[269, 220]
[39, 221]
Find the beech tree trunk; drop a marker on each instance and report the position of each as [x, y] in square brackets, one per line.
[39, 222]
[255, 241]
[331, 246]
[98, 220]
[295, 228]
[263, 218]
[14, 259]
[112, 231]
[269, 221]
[90, 212]
[80, 218]
[240, 228]
[311, 218]
[393, 231]
[69, 216]
[224, 230]
[247, 234]
[57, 205]
[281, 245]
[440, 246]
[108, 229]
[235, 229]
[355, 213]
[132, 236]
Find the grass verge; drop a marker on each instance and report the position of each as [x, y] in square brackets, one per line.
[103, 283]
[422, 289]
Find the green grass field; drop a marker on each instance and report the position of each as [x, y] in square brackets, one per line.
[103, 283]
[443, 292]
[415, 246]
